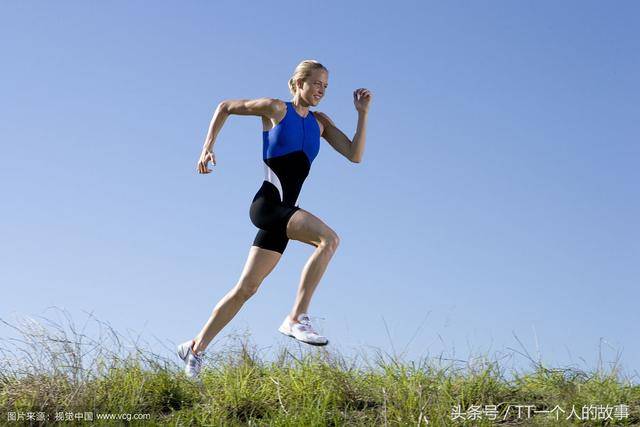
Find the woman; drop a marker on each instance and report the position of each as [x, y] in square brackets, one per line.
[291, 140]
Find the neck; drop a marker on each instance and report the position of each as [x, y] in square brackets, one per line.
[299, 103]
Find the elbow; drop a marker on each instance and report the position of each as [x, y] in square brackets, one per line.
[223, 107]
[355, 153]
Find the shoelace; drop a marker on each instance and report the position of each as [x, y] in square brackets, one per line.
[305, 321]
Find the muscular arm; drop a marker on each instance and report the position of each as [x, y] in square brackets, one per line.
[267, 108]
[351, 149]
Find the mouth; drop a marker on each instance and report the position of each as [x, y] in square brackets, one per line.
[317, 97]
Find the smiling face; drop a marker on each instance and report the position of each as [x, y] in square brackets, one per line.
[314, 87]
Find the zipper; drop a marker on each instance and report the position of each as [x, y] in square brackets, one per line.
[303, 134]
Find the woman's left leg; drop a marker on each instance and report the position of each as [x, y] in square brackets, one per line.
[308, 228]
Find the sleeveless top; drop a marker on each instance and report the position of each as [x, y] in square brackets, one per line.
[288, 150]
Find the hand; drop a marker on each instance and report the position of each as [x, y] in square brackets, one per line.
[361, 99]
[204, 159]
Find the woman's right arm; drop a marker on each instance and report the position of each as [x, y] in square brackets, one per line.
[269, 108]
[265, 107]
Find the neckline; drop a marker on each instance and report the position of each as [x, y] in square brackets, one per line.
[294, 110]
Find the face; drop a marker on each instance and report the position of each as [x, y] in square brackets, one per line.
[314, 87]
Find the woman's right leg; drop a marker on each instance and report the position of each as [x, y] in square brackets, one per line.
[260, 263]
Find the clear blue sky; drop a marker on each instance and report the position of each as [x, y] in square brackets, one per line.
[498, 194]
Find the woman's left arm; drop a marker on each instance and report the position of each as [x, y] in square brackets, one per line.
[352, 150]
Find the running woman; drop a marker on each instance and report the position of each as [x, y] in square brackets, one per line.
[291, 140]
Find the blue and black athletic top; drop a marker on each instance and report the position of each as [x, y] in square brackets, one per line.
[288, 150]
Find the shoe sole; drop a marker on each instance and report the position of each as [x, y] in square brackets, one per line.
[317, 344]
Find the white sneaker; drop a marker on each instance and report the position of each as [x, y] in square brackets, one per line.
[302, 330]
[193, 361]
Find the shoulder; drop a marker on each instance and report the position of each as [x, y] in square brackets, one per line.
[273, 108]
[323, 118]
[278, 108]
[273, 105]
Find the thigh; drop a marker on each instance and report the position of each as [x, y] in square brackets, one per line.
[260, 263]
[273, 240]
[308, 228]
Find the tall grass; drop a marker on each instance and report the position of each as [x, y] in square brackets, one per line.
[58, 368]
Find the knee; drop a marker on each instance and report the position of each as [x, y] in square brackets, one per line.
[247, 287]
[330, 241]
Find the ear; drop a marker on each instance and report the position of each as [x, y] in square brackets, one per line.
[299, 83]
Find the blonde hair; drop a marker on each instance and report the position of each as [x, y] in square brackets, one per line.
[302, 71]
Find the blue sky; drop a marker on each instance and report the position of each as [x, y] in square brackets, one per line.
[498, 194]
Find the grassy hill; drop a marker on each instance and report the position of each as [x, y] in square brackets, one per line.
[58, 375]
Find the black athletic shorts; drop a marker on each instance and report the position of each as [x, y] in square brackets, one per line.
[270, 215]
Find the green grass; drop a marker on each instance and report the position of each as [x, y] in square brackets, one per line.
[55, 368]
